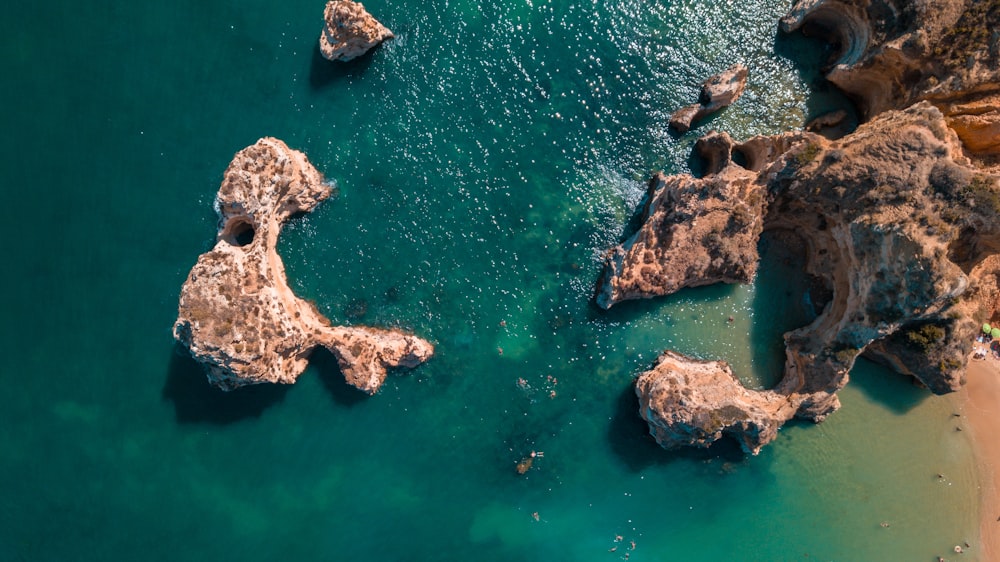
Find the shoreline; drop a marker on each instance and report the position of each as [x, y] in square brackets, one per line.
[980, 401]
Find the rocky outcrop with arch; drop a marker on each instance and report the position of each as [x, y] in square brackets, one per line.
[900, 221]
[890, 54]
[237, 314]
[879, 213]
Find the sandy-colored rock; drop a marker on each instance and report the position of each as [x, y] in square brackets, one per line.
[977, 123]
[349, 31]
[880, 212]
[697, 231]
[237, 315]
[682, 119]
[900, 221]
[705, 229]
[719, 91]
[690, 402]
[980, 133]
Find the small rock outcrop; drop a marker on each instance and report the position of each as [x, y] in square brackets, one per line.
[717, 92]
[237, 315]
[350, 31]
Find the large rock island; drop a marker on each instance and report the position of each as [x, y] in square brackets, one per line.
[899, 221]
[237, 315]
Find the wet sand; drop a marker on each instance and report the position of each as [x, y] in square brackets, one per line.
[981, 401]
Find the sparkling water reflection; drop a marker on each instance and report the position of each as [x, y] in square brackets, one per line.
[485, 158]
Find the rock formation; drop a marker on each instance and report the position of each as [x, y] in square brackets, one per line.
[350, 31]
[881, 214]
[893, 53]
[832, 125]
[707, 229]
[717, 92]
[900, 221]
[237, 315]
[690, 402]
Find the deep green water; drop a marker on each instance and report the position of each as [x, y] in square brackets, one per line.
[485, 158]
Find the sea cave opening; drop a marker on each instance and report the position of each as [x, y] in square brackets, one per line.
[238, 232]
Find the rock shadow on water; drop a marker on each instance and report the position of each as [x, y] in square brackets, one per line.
[897, 392]
[196, 401]
[324, 73]
[632, 444]
[324, 364]
[786, 298]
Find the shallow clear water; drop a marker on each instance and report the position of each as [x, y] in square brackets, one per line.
[484, 159]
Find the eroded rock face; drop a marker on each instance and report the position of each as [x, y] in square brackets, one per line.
[690, 402]
[899, 221]
[893, 53]
[237, 315]
[697, 231]
[717, 92]
[977, 123]
[705, 229]
[880, 213]
[350, 31]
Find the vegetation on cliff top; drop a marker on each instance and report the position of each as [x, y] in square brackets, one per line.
[975, 28]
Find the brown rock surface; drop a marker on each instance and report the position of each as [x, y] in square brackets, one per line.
[237, 315]
[690, 402]
[977, 124]
[350, 31]
[900, 221]
[880, 212]
[717, 92]
[705, 229]
[893, 53]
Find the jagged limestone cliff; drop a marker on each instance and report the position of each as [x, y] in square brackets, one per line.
[899, 221]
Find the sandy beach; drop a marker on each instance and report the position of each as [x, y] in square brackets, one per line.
[981, 401]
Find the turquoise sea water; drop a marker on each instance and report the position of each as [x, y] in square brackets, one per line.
[484, 159]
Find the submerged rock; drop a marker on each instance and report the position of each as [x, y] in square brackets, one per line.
[350, 31]
[237, 315]
[717, 92]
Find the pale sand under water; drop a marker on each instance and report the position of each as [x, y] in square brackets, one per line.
[981, 403]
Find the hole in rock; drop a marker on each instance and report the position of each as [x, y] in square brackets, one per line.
[740, 159]
[971, 247]
[238, 232]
